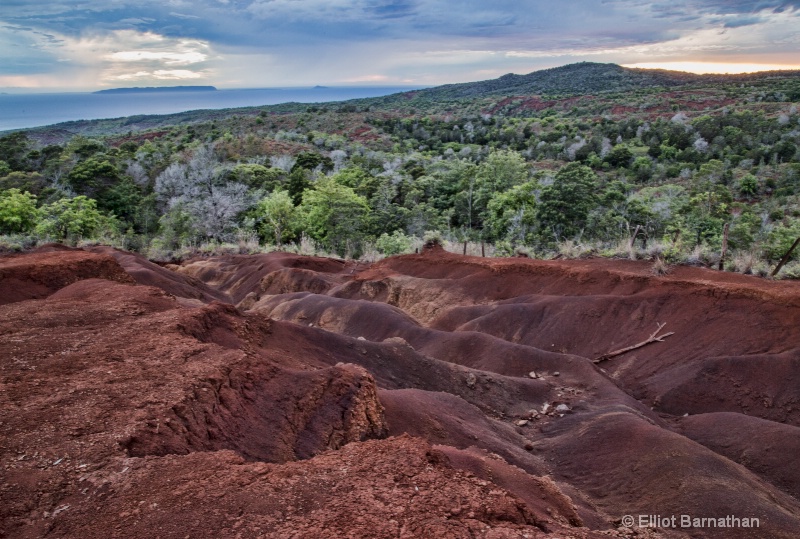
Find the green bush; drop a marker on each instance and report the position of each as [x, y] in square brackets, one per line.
[781, 239]
[18, 212]
[395, 244]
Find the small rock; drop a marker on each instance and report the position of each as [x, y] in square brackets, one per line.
[528, 447]
[397, 340]
[562, 408]
[362, 339]
[522, 422]
[556, 373]
[471, 379]
[545, 407]
[533, 375]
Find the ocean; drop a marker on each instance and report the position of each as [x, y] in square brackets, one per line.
[20, 111]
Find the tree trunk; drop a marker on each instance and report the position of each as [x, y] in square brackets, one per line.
[465, 247]
[635, 233]
[483, 249]
[724, 246]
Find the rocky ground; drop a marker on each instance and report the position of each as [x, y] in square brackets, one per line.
[428, 395]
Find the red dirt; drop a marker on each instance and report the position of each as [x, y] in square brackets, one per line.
[39, 274]
[391, 400]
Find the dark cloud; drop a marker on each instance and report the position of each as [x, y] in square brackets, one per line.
[393, 10]
[728, 7]
[738, 22]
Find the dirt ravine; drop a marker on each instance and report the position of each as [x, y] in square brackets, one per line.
[423, 396]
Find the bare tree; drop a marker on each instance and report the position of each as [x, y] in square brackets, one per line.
[199, 187]
[137, 173]
[283, 162]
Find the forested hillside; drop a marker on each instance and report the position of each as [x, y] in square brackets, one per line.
[584, 159]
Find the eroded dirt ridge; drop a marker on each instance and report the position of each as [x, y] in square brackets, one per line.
[428, 395]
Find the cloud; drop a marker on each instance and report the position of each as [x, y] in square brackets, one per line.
[168, 58]
[161, 75]
[290, 42]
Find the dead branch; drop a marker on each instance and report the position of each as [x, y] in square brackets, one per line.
[655, 337]
[785, 258]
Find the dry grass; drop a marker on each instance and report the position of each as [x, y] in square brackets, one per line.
[659, 267]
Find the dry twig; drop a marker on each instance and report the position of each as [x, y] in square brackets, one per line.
[655, 337]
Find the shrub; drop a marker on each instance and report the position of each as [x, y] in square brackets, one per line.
[395, 244]
[659, 267]
[18, 212]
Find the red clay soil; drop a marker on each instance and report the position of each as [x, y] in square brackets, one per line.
[40, 273]
[429, 395]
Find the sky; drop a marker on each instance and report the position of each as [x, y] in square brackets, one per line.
[83, 45]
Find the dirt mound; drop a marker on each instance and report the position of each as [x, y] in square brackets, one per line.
[150, 274]
[266, 413]
[37, 275]
[270, 415]
[241, 275]
[380, 489]
[762, 385]
[623, 461]
[769, 449]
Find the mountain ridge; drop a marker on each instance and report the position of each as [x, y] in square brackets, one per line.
[586, 78]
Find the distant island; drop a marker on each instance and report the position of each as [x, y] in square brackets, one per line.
[157, 89]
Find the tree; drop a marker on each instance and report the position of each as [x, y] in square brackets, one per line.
[257, 176]
[642, 168]
[177, 227]
[356, 179]
[18, 212]
[298, 183]
[706, 212]
[564, 206]
[619, 156]
[748, 185]
[511, 215]
[312, 160]
[123, 200]
[33, 182]
[277, 213]
[71, 217]
[334, 214]
[781, 239]
[199, 187]
[13, 149]
[215, 211]
[500, 171]
[93, 176]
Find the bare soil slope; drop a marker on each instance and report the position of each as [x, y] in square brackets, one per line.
[429, 395]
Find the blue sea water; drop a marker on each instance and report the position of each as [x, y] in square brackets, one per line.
[20, 111]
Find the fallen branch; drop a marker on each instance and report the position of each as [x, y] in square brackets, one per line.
[655, 337]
